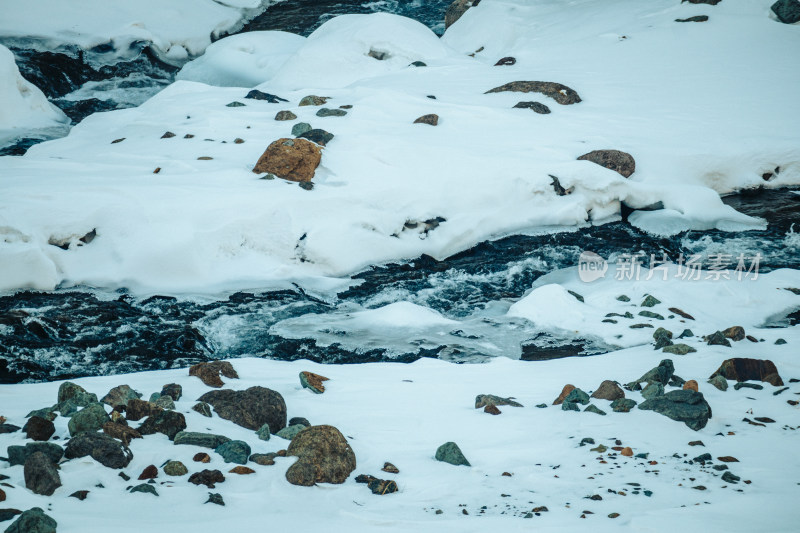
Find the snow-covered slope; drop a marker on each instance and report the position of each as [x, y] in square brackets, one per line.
[704, 108]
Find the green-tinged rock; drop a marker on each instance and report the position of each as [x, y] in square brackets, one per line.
[717, 339]
[88, 419]
[678, 349]
[312, 99]
[569, 406]
[676, 381]
[235, 104]
[719, 382]
[449, 452]
[300, 128]
[17, 455]
[650, 301]
[175, 468]
[729, 477]
[577, 396]
[685, 406]
[541, 406]
[45, 412]
[662, 338]
[720, 468]
[650, 314]
[662, 374]
[120, 396]
[205, 440]
[215, 498]
[623, 405]
[327, 112]
[290, 432]
[745, 385]
[623, 298]
[653, 390]
[263, 433]
[642, 455]
[599, 449]
[145, 487]
[482, 400]
[593, 409]
[8, 514]
[203, 408]
[165, 402]
[33, 521]
[780, 342]
[702, 458]
[686, 333]
[234, 451]
[69, 390]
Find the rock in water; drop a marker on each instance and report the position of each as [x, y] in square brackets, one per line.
[747, 369]
[41, 474]
[313, 382]
[209, 372]
[685, 406]
[33, 521]
[558, 92]
[250, 408]
[609, 390]
[449, 452]
[290, 159]
[620, 162]
[787, 11]
[324, 457]
[105, 450]
[456, 9]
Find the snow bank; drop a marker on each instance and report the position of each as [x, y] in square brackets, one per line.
[23, 107]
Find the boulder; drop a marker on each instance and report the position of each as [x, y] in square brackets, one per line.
[431, 119]
[299, 420]
[719, 382]
[652, 390]
[173, 390]
[324, 456]
[121, 432]
[577, 396]
[662, 338]
[39, 429]
[620, 162]
[234, 451]
[205, 440]
[564, 393]
[482, 400]
[787, 11]
[250, 408]
[290, 159]
[456, 9]
[120, 396]
[209, 372]
[209, 478]
[138, 409]
[68, 391]
[313, 382]
[18, 455]
[169, 423]
[662, 374]
[678, 349]
[33, 521]
[449, 452]
[149, 472]
[300, 128]
[105, 450]
[321, 137]
[608, 390]
[558, 92]
[290, 432]
[285, 115]
[747, 369]
[89, 418]
[685, 406]
[734, 333]
[717, 339]
[41, 474]
[164, 402]
[623, 405]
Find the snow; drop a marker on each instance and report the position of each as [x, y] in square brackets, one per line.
[23, 107]
[688, 101]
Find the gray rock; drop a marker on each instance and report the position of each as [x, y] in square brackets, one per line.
[33, 521]
[300, 128]
[685, 406]
[18, 455]
[215, 498]
[8, 428]
[679, 349]
[653, 390]
[570, 406]
[662, 374]
[234, 451]
[449, 452]
[623, 405]
[623, 298]
[719, 382]
[105, 450]
[120, 396]
[729, 477]
[165, 402]
[205, 440]
[592, 408]
[203, 408]
[536, 107]
[41, 474]
[290, 432]
[285, 115]
[787, 11]
[263, 432]
[650, 301]
[89, 418]
[686, 333]
[327, 112]
[482, 400]
[251, 408]
[146, 488]
[717, 339]
[234, 104]
[662, 338]
[745, 385]
[577, 396]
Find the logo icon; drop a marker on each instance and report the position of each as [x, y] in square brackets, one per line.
[591, 267]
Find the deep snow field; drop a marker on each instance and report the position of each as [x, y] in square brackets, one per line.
[161, 200]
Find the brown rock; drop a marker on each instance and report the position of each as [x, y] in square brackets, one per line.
[456, 9]
[138, 409]
[691, 385]
[746, 369]
[39, 428]
[492, 410]
[564, 393]
[209, 372]
[150, 472]
[608, 390]
[281, 453]
[205, 158]
[678, 312]
[209, 478]
[313, 381]
[250, 408]
[620, 162]
[242, 470]
[2, 495]
[697, 443]
[290, 159]
[238, 140]
[121, 432]
[201, 458]
[558, 92]
[709, 2]
[3, 420]
[734, 333]
[432, 119]
[728, 459]
[627, 452]
[285, 115]
[389, 467]
[324, 457]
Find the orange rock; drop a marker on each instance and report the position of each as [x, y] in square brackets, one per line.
[202, 458]
[242, 470]
[627, 452]
[313, 381]
[691, 385]
[564, 393]
[290, 159]
[492, 410]
[209, 372]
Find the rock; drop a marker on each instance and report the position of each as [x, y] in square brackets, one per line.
[313, 100]
[577, 396]
[89, 419]
[482, 400]
[300, 128]
[717, 339]
[205, 440]
[173, 390]
[678, 349]
[299, 420]
[234, 104]
[138, 409]
[592, 408]
[164, 402]
[168, 135]
[327, 112]
[662, 338]
[778, 342]
[102, 448]
[290, 159]
[623, 298]
[321, 137]
[734, 333]
[33, 521]
[680, 313]
[729, 477]
[456, 9]
[431, 119]
[289, 432]
[39, 429]
[234, 451]
[536, 107]
[312, 381]
[492, 410]
[209, 372]
[145, 488]
[787, 11]
[564, 393]
[324, 457]
[263, 432]
[649, 300]
[241, 470]
[121, 432]
[653, 390]
[80, 495]
[169, 423]
[558, 92]
[271, 98]
[685, 406]
[149, 472]
[709, 2]
[68, 391]
[622, 163]
[449, 452]
[506, 61]
[698, 18]
[746, 369]
[389, 467]
[120, 396]
[251, 408]
[41, 474]
[418, 64]
[745, 385]
[728, 459]
[651, 314]
[626, 452]
[662, 374]
[201, 458]
[175, 468]
[570, 406]
[686, 333]
[215, 498]
[719, 382]
[608, 390]
[285, 115]
[623, 405]
[209, 478]
[8, 428]
[18, 455]
[263, 459]
[203, 408]
[691, 385]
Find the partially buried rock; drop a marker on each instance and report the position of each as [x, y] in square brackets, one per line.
[149, 472]
[536, 107]
[263, 432]
[88, 419]
[263, 459]
[255, 94]
[449, 452]
[697, 18]
[662, 338]
[577, 396]
[121, 432]
[662, 374]
[312, 381]
[482, 400]
[201, 458]
[717, 339]
[608, 390]
[456, 9]
[734, 333]
[623, 405]
[205, 440]
[209, 372]
[653, 390]
[300, 128]
[241, 470]
[492, 410]
[285, 115]
[324, 457]
[620, 162]
[389, 467]
[685, 406]
[321, 137]
[564, 392]
[209, 478]
[145, 488]
[787, 11]
[719, 382]
[313, 100]
[592, 408]
[382, 486]
[41, 475]
[39, 429]
[431, 119]
[203, 408]
[250, 408]
[80, 495]
[295, 420]
[326, 112]
[168, 423]
[678, 349]
[234, 451]
[105, 450]
[290, 432]
[746, 369]
[290, 159]
[18, 455]
[33, 521]
[120, 396]
[175, 468]
[506, 61]
[215, 498]
[558, 92]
